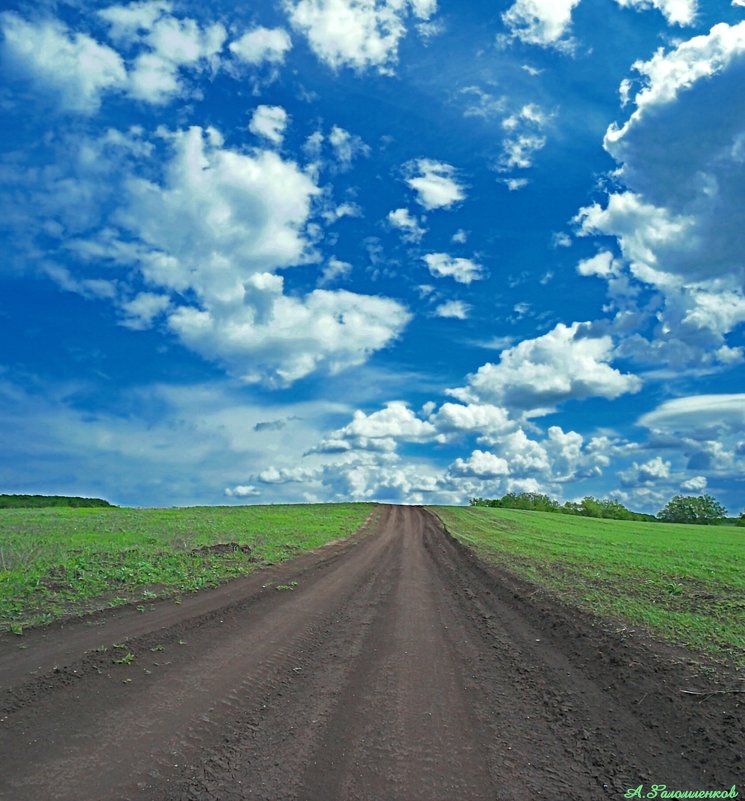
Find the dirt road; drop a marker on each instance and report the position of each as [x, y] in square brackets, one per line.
[398, 668]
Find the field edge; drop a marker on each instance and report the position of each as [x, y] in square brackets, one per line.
[728, 664]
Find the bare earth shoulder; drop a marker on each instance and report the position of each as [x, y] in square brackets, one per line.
[391, 666]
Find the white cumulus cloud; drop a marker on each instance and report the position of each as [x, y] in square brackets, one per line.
[279, 339]
[694, 484]
[396, 422]
[547, 23]
[218, 216]
[523, 454]
[167, 45]
[407, 224]
[678, 218]
[514, 184]
[143, 309]
[380, 430]
[346, 146]
[647, 474]
[361, 34]
[287, 475]
[73, 67]
[269, 122]
[561, 456]
[464, 271]
[335, 270]
[435, 183]
[128, 22]
[523, 139]
[480, 464]
[541, 22]
[535, 375]
[208, 233]
[678, 12]
[241, 491]
[483, 419]
[262, 45]
[453, 309]
[602, 264]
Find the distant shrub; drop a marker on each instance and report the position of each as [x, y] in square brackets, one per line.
[587, 507]
[533, 501]
[603, 508]
[701, 509]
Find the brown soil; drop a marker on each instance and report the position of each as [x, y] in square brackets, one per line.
[398, 668]
[221, 548]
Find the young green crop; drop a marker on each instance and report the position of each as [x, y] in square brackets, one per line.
[685, 583]
[58, 561]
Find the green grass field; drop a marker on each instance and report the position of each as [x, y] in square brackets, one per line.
[685, 584]
[54, 562]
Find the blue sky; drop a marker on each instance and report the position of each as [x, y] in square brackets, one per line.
[401, 250]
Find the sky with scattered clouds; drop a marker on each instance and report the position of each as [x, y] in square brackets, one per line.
[398, 250]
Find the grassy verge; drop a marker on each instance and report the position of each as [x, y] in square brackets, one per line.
[682, 583]
[56, 562]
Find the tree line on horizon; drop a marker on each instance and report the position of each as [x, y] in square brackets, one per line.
[700, 509]
[44, 501]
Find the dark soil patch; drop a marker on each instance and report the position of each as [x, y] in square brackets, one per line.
[221, 549]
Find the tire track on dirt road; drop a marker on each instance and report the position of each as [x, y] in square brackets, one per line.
[399, 669]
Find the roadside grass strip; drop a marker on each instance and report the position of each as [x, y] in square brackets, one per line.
[682, 583]
[58, 562]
